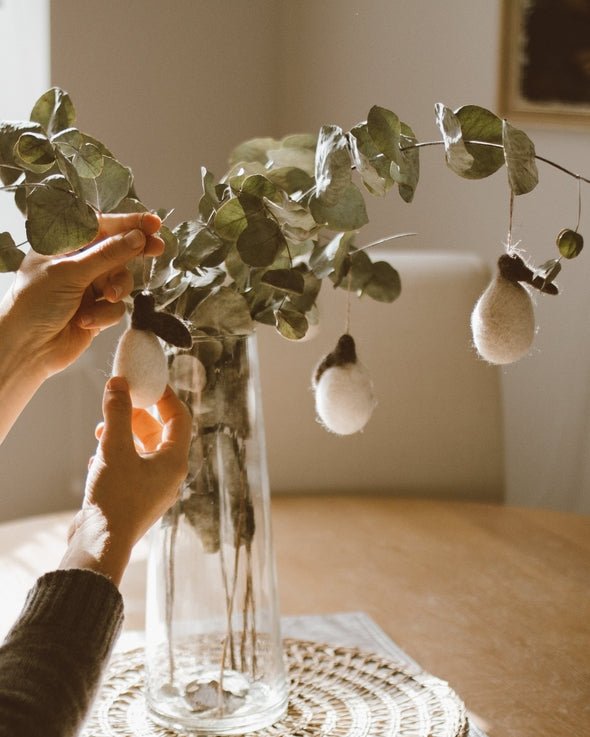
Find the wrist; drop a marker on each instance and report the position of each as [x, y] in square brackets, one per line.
[21, 369]
[95, 547]
[18, 347]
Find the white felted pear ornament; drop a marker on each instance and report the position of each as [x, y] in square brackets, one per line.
[140, 357]
[503, 320]
[343, 390]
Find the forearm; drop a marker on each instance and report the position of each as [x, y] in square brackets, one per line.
[21, 370]
[53, 658]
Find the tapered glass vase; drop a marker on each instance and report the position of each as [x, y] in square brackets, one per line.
[213, 648]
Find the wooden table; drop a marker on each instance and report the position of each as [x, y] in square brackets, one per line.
[495, 600]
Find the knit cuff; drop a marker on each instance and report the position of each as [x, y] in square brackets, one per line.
[82, 603]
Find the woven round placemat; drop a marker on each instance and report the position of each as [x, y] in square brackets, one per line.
[334, 692]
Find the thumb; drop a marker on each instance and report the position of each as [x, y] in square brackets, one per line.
[109, 254]
[117, 411]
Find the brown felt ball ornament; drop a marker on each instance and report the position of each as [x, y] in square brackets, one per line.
[503, 320]
[343, 389]
[140, 356]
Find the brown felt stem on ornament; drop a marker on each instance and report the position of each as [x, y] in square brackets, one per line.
[344, 353]
[514, 269]
[144, 306]
[165, 326]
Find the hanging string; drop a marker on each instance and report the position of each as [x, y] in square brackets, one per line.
[579, 202]
[510, 220]
[348, 302]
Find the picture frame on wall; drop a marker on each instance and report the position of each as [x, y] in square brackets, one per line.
[545, 62]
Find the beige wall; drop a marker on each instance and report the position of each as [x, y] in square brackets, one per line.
[189, 79]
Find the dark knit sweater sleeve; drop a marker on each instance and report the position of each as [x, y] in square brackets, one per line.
[53, 658]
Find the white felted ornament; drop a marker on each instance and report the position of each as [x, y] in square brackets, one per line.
[503, 322]
[343, 388]
[140, 359]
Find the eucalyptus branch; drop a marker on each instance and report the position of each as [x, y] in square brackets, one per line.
[424, 144]
[384, 240]
[16, 187]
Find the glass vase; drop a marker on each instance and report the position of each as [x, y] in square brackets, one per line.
[213, 647]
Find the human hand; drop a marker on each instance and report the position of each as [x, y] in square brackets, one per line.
[58, 304]
[131, 482]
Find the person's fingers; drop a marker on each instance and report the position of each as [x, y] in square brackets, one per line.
[100, 315]
[114, 223]
[108, 255]
[98, 430]
[148, 222]
[177, 421]
[146, 429]
[154, 246]
[116, 408]
[113, 286]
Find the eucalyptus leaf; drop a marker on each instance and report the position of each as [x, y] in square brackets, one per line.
[479, 124]
[68, 171]
[296, 220]
[259, 186]
[358, 273]
[287, 156]
[20, 200]
[88, 161]
[206, 208]
[54, 111]
[384, 284]
[384, 128]
[58, 221]
[548, 271]
[170, 244]
[370, 163]
[291, 179]
[570, 243]
[130, 204]
[232, 216]
[223, 311]
[69, 141]
[237, 269]
[311, 288]
[300, 140]
[10, 256]
[35, 152]
[286, 280]
[519, 154]
[205, 250]
[406, 170]
[332, 166]
[325, 260]
[458, 157]
[10, 132]
[259, 243]
[112, 185]
[253, 150]
[291, 324]
[265, 316]
[208, 184]
[349, 212]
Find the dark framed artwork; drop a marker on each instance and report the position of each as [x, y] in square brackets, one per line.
[545, 61]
